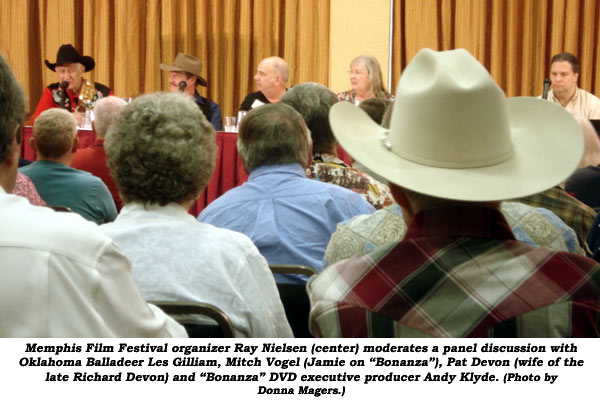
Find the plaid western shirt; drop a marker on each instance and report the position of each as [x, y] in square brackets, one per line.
[576, 214]
[458, 272]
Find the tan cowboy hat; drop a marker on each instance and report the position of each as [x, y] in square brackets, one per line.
[454, 134]
[187, 63]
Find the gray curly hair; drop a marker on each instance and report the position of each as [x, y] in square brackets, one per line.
[161, 150]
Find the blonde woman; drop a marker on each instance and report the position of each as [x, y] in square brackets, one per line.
[366, 81]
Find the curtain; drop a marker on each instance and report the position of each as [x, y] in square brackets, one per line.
[130, 38]
[513, 39]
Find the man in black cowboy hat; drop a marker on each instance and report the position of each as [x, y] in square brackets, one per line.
[184, 76]
[69, 67]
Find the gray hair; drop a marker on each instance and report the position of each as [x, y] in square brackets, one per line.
[12, 108]
[107, 111]
[281, 66]
[375, 77]
[161, 150]
[313, 101]
[54, 132]
[273, 134]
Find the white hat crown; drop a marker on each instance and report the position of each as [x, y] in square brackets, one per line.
[449, 113]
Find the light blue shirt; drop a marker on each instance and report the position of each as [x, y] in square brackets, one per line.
[82, 192]
[288, 217]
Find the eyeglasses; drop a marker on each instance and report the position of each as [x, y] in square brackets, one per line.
[356, 72]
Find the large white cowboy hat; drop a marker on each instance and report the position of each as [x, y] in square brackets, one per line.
[454, 134]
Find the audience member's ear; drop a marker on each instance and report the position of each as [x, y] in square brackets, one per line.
[75, 144]
[32, 144]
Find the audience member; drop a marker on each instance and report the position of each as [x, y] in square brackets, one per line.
[459, 272]
[362, 234]
[289, 217]
[564, 73]
[375, 108]
[313, 102]
[24, 187]
[185, 75]
[174, 256]
[93, 158]
[271, 76]
[584, 183]
[366, 81]
[55, 141]
[574, 213]
[60, 276]
[70, 66]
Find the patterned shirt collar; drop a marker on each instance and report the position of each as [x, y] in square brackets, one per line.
[328, 158]
[460, 221]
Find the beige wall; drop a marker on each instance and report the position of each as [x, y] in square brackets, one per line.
[357, 27]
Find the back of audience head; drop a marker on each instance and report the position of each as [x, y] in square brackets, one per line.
[273, 134]
[106, 112]
[591, 150]
[161, 150]
[313, 101]
[12, 109]
[375, 108]
[54, 133]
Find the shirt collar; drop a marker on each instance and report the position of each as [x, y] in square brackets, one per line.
[291, 169]
[552, 96]
[136, 210]
[328, 158]
[460, 221]
[198, 98]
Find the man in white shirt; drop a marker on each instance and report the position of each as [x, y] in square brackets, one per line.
[59, 275]
[564, 73]
[161, 152]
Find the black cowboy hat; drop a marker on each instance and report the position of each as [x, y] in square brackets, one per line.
[68, 54]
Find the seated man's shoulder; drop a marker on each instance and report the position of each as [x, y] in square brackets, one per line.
[42, 228]
[226, 240]
[105, 90]
[339, 193]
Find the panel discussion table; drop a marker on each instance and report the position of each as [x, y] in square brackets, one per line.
[228, 174]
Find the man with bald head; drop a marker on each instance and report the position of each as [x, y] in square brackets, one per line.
[271, 76]
[93, 158]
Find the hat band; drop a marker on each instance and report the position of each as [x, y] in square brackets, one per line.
[385, 141]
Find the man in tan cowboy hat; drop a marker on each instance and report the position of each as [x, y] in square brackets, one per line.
[185, 74]
[70, 66]
[455, 149]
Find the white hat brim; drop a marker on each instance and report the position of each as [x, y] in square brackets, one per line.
[547, 140]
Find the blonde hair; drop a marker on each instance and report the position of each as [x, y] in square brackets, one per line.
[54, 132]
[375, 77]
